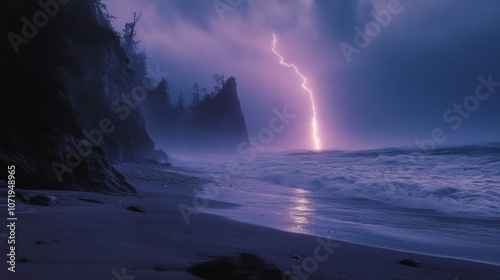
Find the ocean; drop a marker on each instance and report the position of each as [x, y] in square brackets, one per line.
[444, 203]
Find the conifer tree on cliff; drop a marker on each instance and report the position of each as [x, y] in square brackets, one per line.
[130, 45]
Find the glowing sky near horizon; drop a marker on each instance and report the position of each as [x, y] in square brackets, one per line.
[394, 91]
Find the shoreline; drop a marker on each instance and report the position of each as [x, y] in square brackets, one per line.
[99, 237]
[296, 212]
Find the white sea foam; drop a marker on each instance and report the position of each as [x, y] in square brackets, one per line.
[450, 198]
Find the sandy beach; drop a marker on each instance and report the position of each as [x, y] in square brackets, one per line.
[95, 236]
[250, 140]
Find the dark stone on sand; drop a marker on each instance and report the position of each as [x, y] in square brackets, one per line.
[135, 209]
[23, 196]
[43, 200]
[160, 268]
[410, 262]
[242, 266]
[91, 200]
[38, 199]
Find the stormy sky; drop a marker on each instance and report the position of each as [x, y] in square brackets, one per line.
[384, 73]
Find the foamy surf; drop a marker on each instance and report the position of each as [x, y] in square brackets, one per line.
[445, 203]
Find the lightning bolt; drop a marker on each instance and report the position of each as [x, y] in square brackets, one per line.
[314, 123]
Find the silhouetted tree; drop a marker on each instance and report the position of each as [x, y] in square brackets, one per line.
[130, 46]
[161, 94]
[219, 79]
[160, 105]
[179, 107]
[129, 42]
[196, 96]
[102, 14]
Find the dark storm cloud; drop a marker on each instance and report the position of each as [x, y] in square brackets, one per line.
[394, 90]
[427, 59]
[337, 18]
[192, 11]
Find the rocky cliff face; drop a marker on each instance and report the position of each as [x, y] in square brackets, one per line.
[211, 123]
[67, 105]
[220, 122]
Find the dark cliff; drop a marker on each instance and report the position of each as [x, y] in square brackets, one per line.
[67, 107]
[220, 121]
[213, 123]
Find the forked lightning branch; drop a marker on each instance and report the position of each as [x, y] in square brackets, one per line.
[314, 122]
